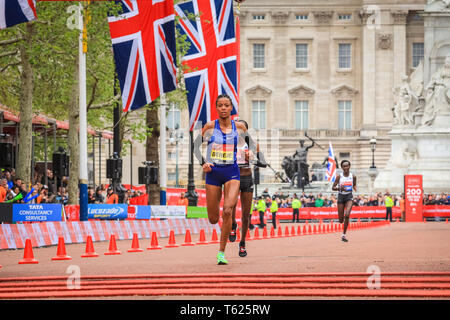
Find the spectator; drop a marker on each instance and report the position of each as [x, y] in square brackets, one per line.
[99, 196]
[91, 195]
[112, 197]
[42, 198]
[183, 201]
[274, 210]
[261, 207]
[3, 189]
[402, 206]
[389, 203]
[127, 197]
[265, 193]
[296, 205]
[319, 201]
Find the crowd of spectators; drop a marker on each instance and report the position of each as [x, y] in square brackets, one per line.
[49, 190]
[324, 200]
[14, 190]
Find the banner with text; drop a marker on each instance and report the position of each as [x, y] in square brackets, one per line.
[413, 198]
[171, 212]
[37, 212]
[108, 211]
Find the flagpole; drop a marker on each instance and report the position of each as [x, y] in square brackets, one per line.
[83, 170]
[162, 151]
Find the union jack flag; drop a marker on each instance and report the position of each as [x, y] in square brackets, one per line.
[331, 165]
[143, 38]
[212, 56]
[13, 12]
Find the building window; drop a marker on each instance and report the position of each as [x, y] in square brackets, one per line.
[344, 155]
[301, 17]
[345, 55]
[172, 155]
[301, 114]
[171, 176]
[259, 17]
[301, 56]
[345, 17]
[259, 52]
[174, 117]
[417, 53]
[259, 114]
[345, 114]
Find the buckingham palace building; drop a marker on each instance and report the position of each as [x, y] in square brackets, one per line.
[324, 68]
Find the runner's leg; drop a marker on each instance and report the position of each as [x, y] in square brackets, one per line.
[213, 197]
[231, 192]
[348, 209]
[246, 204]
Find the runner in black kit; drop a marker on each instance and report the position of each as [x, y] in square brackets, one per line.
[345, 183]
[245, 158]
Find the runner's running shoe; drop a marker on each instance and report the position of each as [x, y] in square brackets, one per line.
[242, 251]
[221, 258]
[232, 236]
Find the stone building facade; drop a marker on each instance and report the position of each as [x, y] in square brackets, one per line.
[325, 67]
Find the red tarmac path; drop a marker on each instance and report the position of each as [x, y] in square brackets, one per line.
[414, 260]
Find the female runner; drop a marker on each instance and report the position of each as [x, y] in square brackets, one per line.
[221, 168]
[345, 183]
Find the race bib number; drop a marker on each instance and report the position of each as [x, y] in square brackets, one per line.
[348, 186]
[223, 153]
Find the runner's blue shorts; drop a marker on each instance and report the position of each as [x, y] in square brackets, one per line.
[219, 175]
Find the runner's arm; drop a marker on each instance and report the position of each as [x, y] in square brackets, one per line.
[336, 182]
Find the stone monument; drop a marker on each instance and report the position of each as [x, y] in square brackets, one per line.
[420, 134]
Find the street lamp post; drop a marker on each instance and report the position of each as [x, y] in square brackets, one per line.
[175, 137]
[373, 145]
[373, 172]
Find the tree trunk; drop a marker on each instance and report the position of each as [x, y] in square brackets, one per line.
[26, 108]
[152, 148]
[73, 139]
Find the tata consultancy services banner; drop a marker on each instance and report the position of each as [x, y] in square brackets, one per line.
[108, 211]
[177, 212]
[37, 212]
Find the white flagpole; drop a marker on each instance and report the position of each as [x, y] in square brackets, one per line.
[162, 150]
[83, 169]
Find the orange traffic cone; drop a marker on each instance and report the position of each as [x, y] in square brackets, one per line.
[238, 234]
[299, 230]
[28, 256]
[202, 239]
[135, 244]
[61, 251]
[171, 243]
[214, 238]
[280, 232]
[304, 229]
[112, 246]
[309, 229]
[315, 229]
[256, 234]
[272, 233]
[248, 237]
[154, 244]
[90, 253]
[286, 232]
[446, 221]
[187, 239]
[265, 233]
[293, 231]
